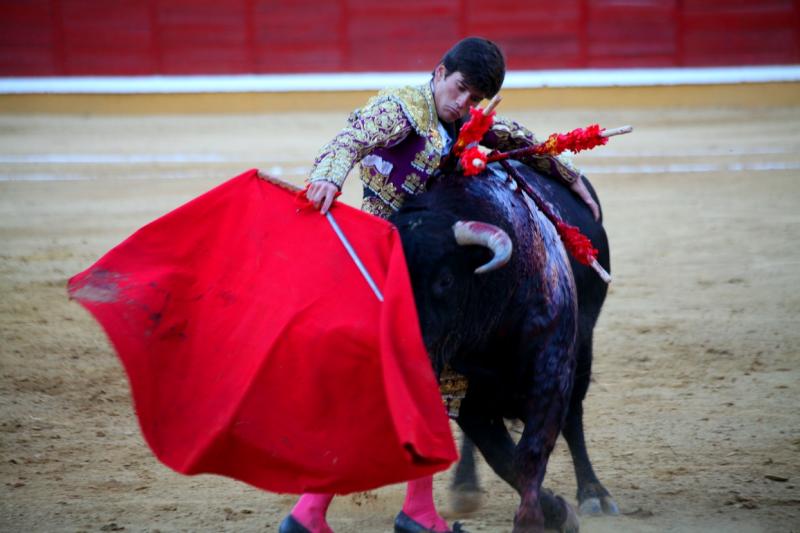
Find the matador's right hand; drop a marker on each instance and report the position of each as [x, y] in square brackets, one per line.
[321, 194]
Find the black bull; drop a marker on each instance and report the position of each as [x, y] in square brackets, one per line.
[521, 332]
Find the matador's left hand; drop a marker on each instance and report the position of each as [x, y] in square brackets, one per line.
[579, 188]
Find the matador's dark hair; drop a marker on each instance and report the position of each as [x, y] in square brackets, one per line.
[481, 63]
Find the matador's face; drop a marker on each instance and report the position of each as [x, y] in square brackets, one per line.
[452, 96]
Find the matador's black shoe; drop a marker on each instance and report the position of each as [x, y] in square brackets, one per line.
[405, 524]
[291, 525]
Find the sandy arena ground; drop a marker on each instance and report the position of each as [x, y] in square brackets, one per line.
[694, 415]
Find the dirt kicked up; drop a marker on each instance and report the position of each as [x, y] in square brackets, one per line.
[693, 419]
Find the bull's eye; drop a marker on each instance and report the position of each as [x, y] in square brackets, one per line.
[443, 282]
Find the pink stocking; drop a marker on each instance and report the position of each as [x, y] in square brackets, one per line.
[310, 511]
[420, 507]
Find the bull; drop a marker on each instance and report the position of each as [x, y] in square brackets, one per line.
[593, 498]
[498, 304]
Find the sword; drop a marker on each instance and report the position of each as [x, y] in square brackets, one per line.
[336, 229]
[354, 255]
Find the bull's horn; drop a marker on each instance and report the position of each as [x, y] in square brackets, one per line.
[488, 235]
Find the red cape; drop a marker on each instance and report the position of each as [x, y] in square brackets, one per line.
[255, 349]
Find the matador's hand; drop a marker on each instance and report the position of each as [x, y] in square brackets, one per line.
[321, 194]
[579, 188]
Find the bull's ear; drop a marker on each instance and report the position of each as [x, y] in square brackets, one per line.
[414, 223]
[407, 220]
[408, 208]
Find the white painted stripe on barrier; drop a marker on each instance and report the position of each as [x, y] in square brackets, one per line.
[651, 76]
[302, 171]
[353, 81]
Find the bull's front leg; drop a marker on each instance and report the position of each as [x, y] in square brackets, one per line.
[488, 431]
[545, 409]
[482, 424]
[539, 508]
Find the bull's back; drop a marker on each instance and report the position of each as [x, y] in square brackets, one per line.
[540, 265]
[549, 314]
[591, 289]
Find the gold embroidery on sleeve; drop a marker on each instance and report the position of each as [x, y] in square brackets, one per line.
[511, 135]
[380, 123]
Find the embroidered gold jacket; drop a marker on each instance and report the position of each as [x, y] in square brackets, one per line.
[396, 138]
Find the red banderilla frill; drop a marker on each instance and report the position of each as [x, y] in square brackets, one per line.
[576, 243]
[473, 162]
[575, 141]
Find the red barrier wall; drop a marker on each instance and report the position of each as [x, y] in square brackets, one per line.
[139, 37]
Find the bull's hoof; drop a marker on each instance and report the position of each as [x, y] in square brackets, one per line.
[571, 524]
[559, 515]
[405, 524]
[291, 525]
[591, 507]
[465, 500]
[604, 505]
[595, 500]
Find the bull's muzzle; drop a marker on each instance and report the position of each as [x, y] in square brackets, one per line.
[472, 232]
